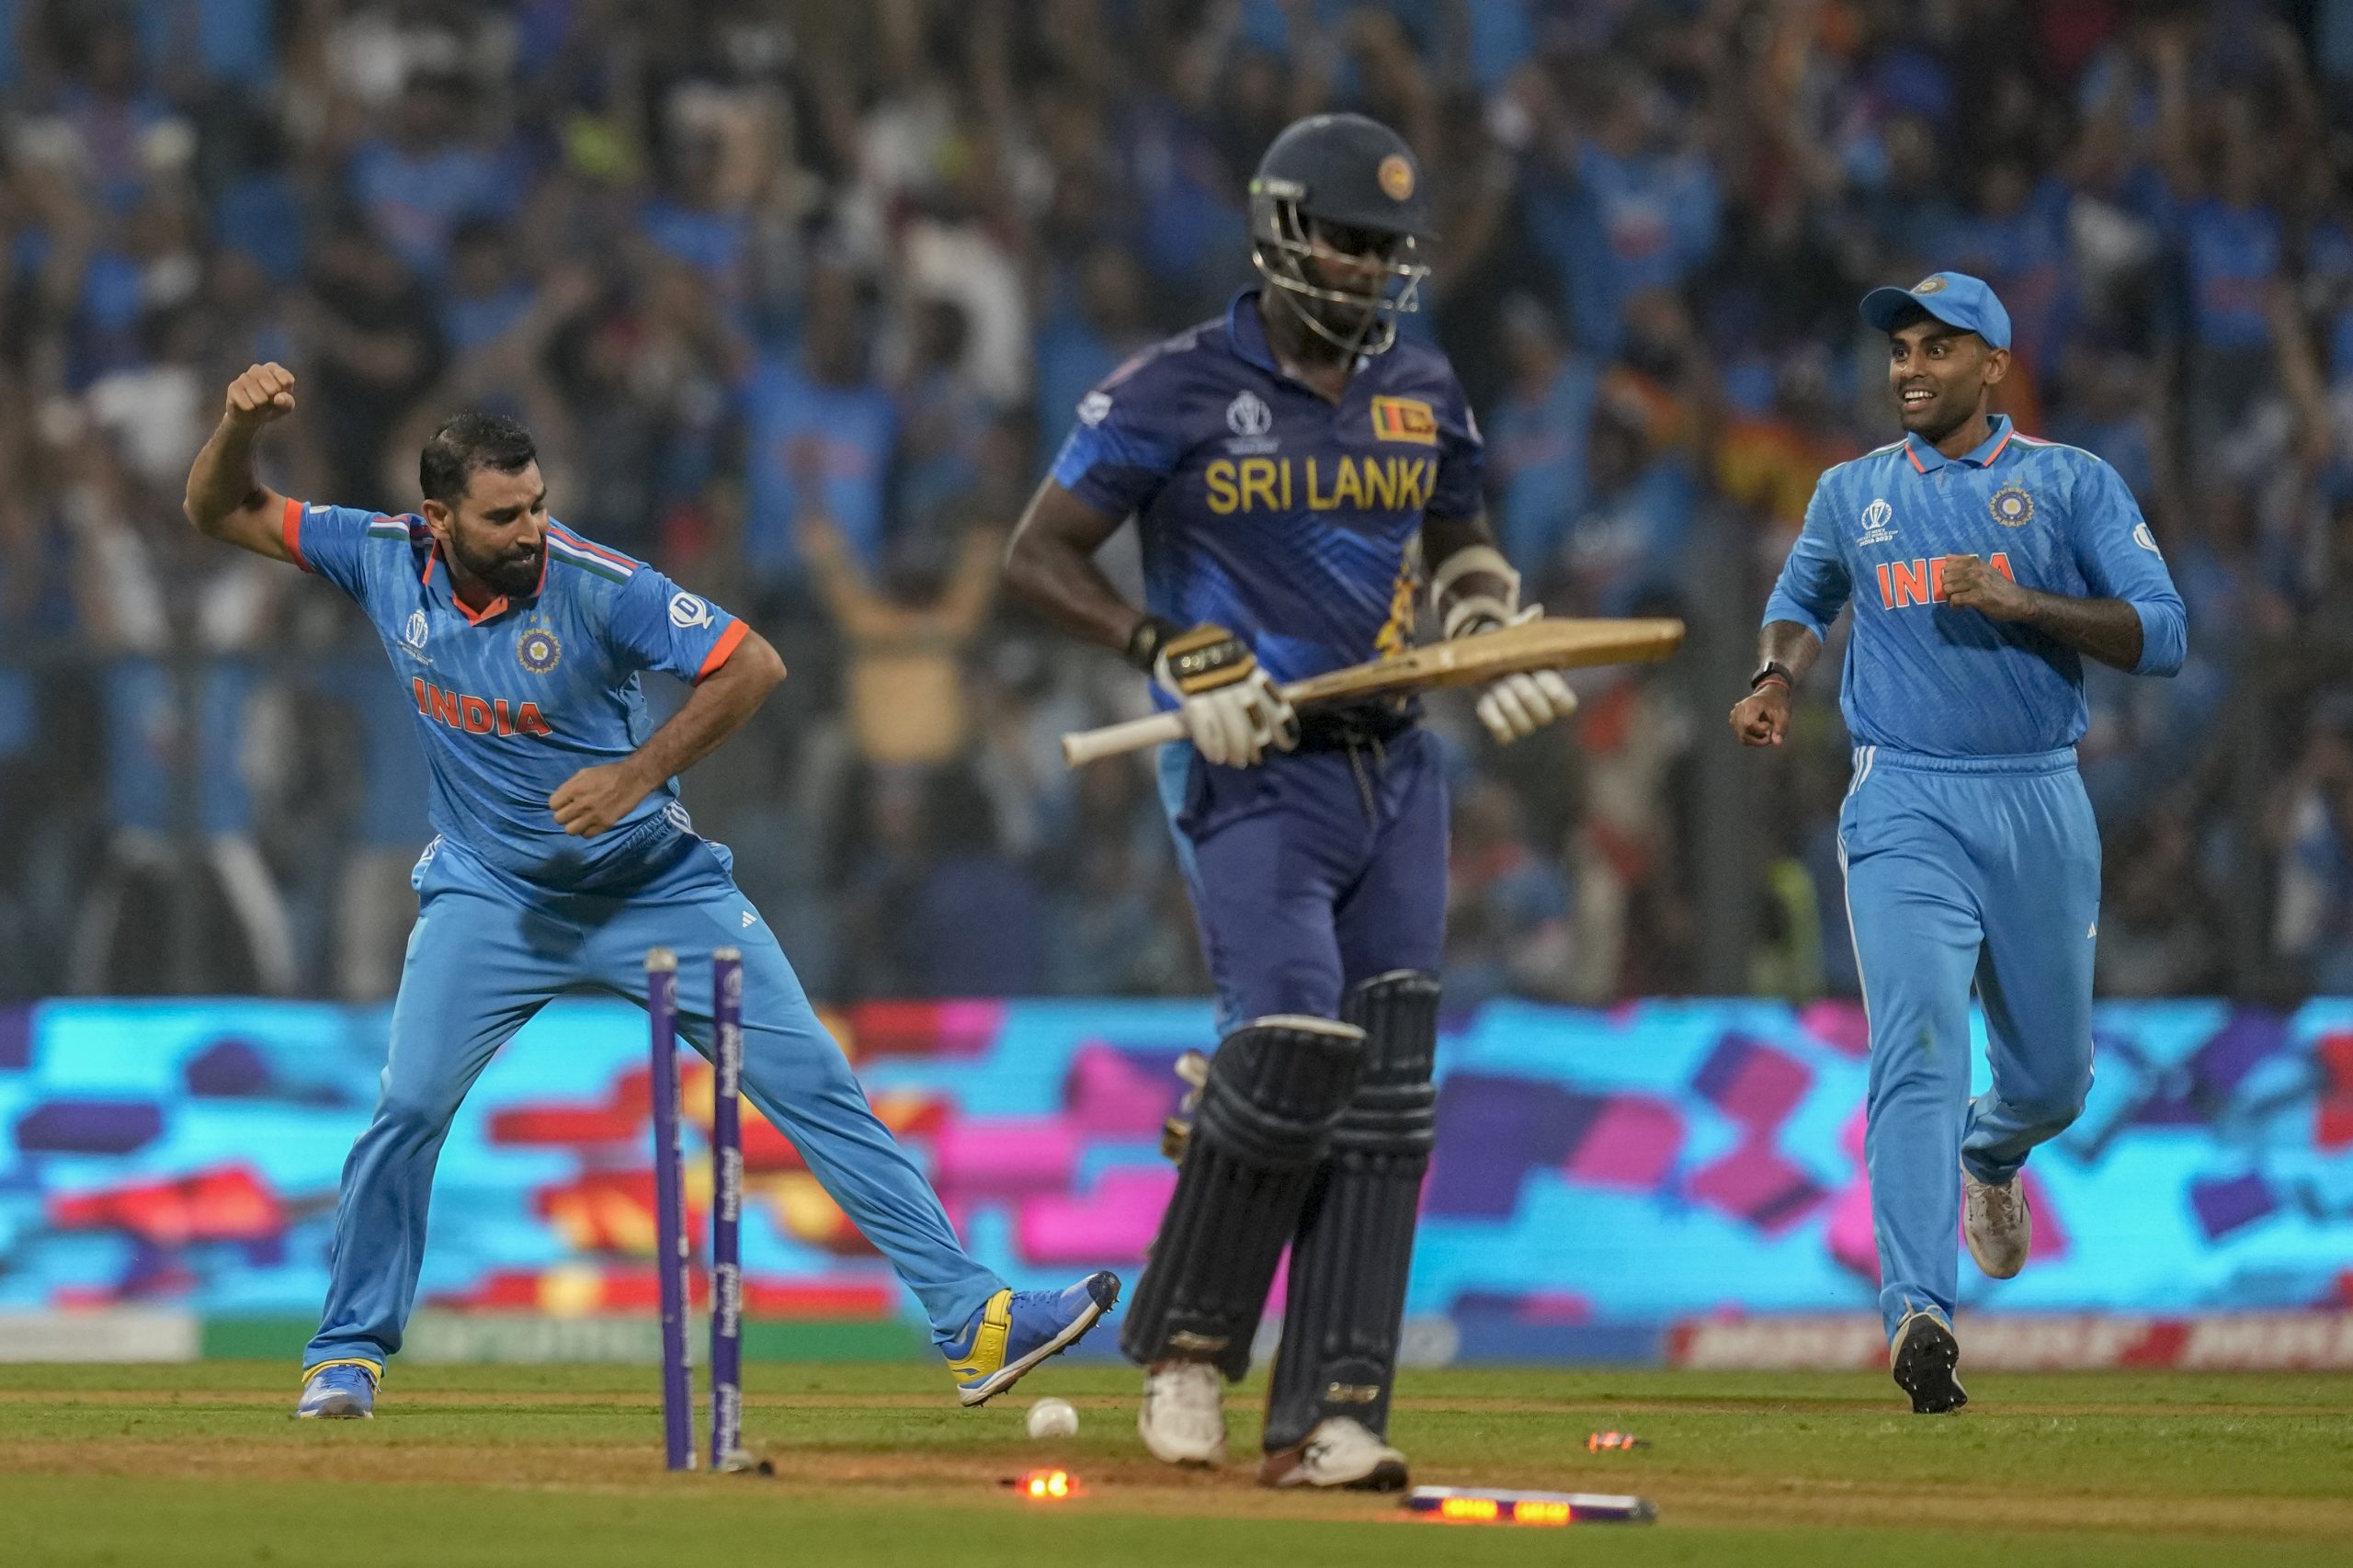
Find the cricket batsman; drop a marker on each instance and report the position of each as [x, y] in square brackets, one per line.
[1292, 465]
[562, 854]
[1984, 566]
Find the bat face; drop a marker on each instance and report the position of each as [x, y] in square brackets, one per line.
[1541, 644]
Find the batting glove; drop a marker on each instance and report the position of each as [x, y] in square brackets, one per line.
[1516, 705]
[1231, 708]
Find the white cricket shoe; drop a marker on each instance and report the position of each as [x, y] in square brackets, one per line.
[1183, 1416]
[2000, 1231]
[1339, 1452]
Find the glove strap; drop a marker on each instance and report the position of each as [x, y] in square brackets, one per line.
[1205, 659]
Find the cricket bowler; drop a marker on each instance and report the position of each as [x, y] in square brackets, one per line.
[562, 853]
[1984, 566]
[1292, 465]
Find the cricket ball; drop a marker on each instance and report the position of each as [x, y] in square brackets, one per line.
[1053, 1418]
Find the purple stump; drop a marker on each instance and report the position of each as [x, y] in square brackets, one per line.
[670, 1260]
[726, 1211]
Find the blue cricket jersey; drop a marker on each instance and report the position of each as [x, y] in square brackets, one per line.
[512, 701]
[1293, 522]
[1924, 676]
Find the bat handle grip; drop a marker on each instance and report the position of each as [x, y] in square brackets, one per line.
[1091, 745]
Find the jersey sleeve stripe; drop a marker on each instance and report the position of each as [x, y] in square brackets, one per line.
[289, 529]
[722, 651]
[562, 535]
[589, 563]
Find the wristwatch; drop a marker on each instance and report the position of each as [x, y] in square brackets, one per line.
[1772, 669]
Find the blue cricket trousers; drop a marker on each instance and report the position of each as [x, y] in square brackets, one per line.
[1962, 869]
[1313, 870]
[487, 953]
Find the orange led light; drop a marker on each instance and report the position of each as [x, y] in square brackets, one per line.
[1534, 1513]
[1050, 1485]
[1484, 1509]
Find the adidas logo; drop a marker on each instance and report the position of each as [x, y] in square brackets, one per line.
[749, 918]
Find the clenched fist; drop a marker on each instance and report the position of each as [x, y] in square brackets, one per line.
[1971, 584]
[595, 799]
[264, 394]
[1762, 718]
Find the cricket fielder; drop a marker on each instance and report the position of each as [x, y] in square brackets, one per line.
[1290, 464]
[1983, 565]
[562, 854]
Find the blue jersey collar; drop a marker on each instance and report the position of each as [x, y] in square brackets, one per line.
[1928, 459]
[1247, 332]
[498, 606]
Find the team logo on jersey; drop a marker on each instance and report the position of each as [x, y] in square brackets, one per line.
[2012, 507]
[1879, 523]
[1396, 176]
[537, 650]
[413, 634]
[1928, 285]
[1405, 419]
[1094, 408]
[687, 612]
[2146, 541]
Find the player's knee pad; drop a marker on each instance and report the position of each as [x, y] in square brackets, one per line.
[1273, 1088]
[1355, 1247]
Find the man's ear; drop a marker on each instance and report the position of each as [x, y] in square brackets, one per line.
[438, 517]
[1997, 366]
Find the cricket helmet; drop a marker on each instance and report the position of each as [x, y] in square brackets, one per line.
[1341, 174]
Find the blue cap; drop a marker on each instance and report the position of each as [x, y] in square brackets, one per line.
[1953, 298]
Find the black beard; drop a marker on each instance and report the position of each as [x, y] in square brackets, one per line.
[513, 576]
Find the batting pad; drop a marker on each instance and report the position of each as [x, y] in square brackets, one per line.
[1275, 1088]
[1354, 1247]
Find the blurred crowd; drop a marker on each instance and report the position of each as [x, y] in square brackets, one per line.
[798, 298]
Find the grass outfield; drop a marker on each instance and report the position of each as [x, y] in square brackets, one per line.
[201, 1465]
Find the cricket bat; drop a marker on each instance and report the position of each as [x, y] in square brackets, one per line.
[1540, 644]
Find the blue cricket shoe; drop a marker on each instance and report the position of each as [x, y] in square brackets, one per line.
[339, 1391]
[1017, 1329]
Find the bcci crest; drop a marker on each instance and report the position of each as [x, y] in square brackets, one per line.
[2012, 507]
[538, 651]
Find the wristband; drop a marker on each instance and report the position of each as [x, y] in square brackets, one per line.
[1773, 669]
[1144, 642]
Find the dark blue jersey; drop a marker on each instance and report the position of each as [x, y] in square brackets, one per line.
[1291, 521]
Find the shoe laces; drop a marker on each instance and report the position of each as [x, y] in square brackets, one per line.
[2000, 1203]
[1186, 1392]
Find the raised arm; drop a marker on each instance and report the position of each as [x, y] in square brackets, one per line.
[224, 500]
